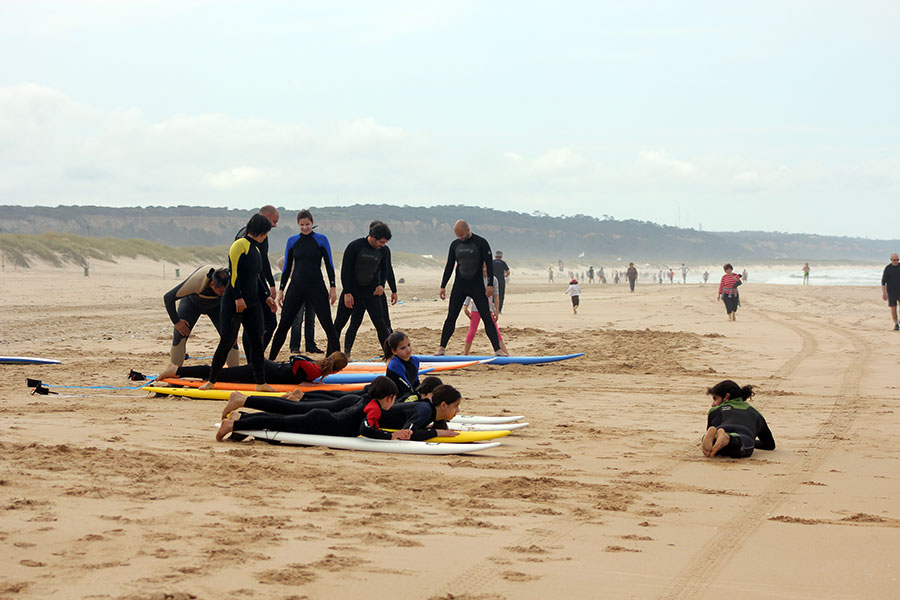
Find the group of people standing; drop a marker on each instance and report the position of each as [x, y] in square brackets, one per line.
[244, 296]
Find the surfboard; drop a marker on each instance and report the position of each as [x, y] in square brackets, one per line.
[474, 419]
[436, 367]
[334, 378]
[500, 360]
[467, 437]
[281, 387]
[487, 427]
[369, 445]
[27, 360]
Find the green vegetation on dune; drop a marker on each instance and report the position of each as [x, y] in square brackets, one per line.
[60, 248]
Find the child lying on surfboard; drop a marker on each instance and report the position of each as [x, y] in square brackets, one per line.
[365, 417]
[297, 369]
[733, 427]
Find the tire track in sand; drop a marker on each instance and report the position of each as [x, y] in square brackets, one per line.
[696, 576]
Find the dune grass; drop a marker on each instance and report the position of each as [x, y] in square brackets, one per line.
[59, 249]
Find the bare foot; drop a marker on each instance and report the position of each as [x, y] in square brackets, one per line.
[722, 439]
[209, 385]
[709, 439]
[295, 395]
[265, 387]
[225, 428]
[235, 401]
[171, 370]
[501, 353]
[440, 351]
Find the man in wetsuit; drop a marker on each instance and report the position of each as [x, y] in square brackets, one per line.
[362, 271]
[631, 274]
[501, 274]
[199, 294]
[468, 252]
[890, 287]
[270, 321]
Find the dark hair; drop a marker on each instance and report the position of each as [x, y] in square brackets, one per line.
[380, 231]
[220, 277]
[728, 266]
[334, 362]
[445, 394]
[259, 224]
[428, 384]
[305, 214]
[391, 343]
[733, 390]
[381, 387]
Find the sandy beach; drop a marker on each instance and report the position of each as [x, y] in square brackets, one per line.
[114, 494]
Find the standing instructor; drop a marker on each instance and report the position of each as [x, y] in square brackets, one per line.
[468, 253]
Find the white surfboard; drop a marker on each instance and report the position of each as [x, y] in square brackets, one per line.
[486, 426]
[368, 444]
[484, 420]
[27, 360]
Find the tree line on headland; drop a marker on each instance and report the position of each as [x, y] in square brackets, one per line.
[524, 238]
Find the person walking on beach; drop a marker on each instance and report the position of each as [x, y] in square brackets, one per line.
[728, 291]
[805, 274]
[468, 252]
[501, 276]
[632, 275]
[574, 291]
[590, 274]
[705, 276]
[550, 275]
[890, 287]
[684, 271]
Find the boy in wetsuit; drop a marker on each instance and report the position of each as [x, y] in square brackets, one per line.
[733, 427]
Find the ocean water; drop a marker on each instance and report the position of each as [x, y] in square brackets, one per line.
[862, 275]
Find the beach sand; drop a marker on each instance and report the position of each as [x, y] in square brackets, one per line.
[114, 494]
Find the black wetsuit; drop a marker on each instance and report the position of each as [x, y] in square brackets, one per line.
[362, 418]
[405, 374]
[891, 280]
[468, 256]
[194, 297]
[245, 282]
[303, 257]
[304, 324]
[297, 370]
[362, 270]
[745, 425]
[500, 269]
[389, 281]
[269, 319]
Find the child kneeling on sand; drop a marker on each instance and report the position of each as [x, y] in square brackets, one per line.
[734, 428]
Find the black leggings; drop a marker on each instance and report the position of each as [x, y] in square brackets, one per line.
[270, 321]
[363, 301]
[318, 421]
[282, 406]
[231, 320]
[473, 288]
[298, 293]
[731, 303]
[273, 372]
[741, 442]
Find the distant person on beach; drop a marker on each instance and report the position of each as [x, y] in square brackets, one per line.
[468, 252]
[270, 321]
[733, 427]
[616, 277]
[601, 276]
[590, 274]
[199, 294]
[890, 287]
[744, 275]
[550, 275]
[362, 271]
[705, 276]
[475, 318]
[728, 291]
[684, 271]
[501, 276]
[671, 276]
[805, 274]
[632, 275]
[574, 291]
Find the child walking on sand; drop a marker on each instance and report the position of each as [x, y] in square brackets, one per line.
[575, 292]
[475, 318]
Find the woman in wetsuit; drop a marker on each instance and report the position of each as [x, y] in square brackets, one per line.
[296, 370]
[733, 427]
[362, 418]
[243, 302]
[303, 257]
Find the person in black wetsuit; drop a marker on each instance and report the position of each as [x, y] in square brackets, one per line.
[298, 369]
[733, 427]
[362, 418]
[501, 273]
[243, 302]
[269, 319]
[199, 294]
[362, 271]
[402, 366]
[468, 252]
[303, 257]
[890, 287]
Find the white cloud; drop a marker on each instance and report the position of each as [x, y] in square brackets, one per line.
[560, 160]
[660, 160]
[233, 178]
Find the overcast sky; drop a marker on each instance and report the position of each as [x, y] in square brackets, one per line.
[771, 115]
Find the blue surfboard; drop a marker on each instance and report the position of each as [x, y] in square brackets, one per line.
[502, 360]
[357, 377]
